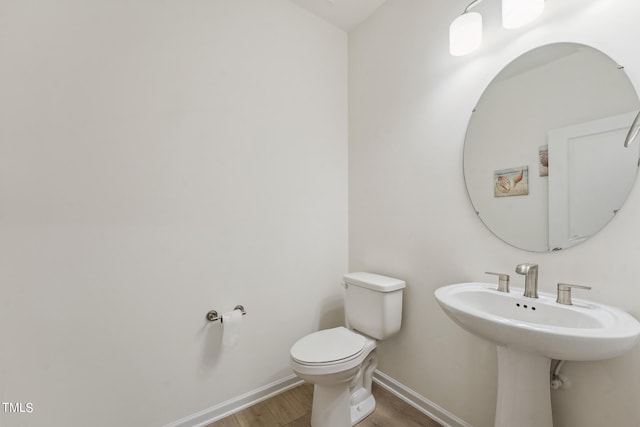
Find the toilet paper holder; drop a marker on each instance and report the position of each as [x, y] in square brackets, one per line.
[212, 315]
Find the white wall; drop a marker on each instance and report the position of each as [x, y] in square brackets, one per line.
[409, 215]
[159, 159]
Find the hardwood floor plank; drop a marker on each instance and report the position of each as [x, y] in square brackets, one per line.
[290, 405]
[229, 421]
[304, 421]
[257, 415]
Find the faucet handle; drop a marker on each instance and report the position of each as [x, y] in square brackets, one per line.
[503, 281]
[564, 292]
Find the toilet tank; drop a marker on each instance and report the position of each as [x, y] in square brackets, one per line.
[373, 304]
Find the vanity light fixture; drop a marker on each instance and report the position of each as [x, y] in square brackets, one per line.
[465, 32]
[516, 13]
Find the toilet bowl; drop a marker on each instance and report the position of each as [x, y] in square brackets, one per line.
[340, 362]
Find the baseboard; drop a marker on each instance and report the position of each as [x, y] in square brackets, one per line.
[236, 404]
[421, 403]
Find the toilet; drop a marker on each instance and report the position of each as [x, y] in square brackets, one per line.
[340, 362]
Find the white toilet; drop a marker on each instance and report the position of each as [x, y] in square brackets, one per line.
[340, 361]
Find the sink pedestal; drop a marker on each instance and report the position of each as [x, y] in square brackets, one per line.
[524, 395]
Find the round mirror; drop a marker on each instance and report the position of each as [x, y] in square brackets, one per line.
[545, 162]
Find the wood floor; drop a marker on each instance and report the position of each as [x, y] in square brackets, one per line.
[293, 409]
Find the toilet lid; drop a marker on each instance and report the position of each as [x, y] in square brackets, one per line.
[329, 345]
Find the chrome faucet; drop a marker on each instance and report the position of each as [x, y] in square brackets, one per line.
[531, 279]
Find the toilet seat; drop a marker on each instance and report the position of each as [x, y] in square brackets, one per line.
[328, 347]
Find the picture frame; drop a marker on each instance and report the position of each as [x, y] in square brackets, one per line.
[511, 182]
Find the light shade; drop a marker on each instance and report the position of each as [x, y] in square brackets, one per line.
[465, 33]
[516, 13]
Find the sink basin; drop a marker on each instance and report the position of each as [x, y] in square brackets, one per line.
[582, 331]
[529, 332]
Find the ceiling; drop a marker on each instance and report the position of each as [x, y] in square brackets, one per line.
[344, 14]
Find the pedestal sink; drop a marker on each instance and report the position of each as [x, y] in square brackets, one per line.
[530, 332]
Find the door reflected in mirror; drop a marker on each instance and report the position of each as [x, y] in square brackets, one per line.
[544, 158]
